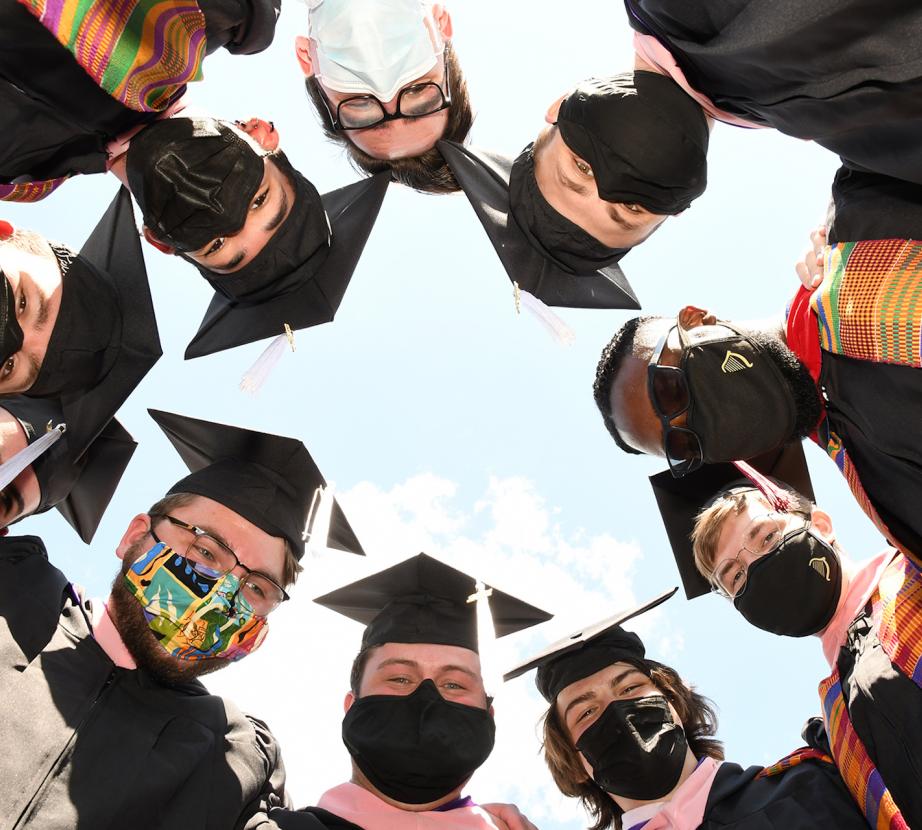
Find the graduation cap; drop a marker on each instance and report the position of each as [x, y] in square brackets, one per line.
[680, 500]
[270, 480]
[307, 288]
[105, 337]
[422, 600]
[585, 652]
[79, 482]
[484, 178]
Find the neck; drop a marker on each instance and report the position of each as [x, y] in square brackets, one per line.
[691, 762]
[360, 780]
[108, 637]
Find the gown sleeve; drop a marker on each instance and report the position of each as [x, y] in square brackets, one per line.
[243, 27]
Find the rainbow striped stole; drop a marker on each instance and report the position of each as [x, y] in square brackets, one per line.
[29, 191]
[139, 51]
[897, 613]
[798, 756]
[869, 305]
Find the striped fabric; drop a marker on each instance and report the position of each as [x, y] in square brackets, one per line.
[897, 616]
[29, 191]
[141, 52]
[869, 305]
[798, 756]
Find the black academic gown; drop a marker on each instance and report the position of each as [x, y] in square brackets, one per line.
[87, 745]
[845, 73]
[57, 122]
[809, 796]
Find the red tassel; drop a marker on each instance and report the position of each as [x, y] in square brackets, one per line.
[778, 498]
[6, 229]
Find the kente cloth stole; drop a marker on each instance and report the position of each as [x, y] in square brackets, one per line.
[869, 307]
[798, 756]
[897, 613]
[139, 51]
[29, 191]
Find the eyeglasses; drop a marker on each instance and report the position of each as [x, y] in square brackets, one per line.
[764, 534]
[212, 559]
[414, 101]
[667, 387]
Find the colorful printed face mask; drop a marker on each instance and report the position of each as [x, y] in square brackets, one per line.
[192, 616]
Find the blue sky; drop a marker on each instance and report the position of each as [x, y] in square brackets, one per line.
[451, 425]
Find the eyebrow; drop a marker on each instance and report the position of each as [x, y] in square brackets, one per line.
[233, 263]
[402, 661]
[280, 216]
[576, 187]
[41, 318]
[12, 498]
[619, 220]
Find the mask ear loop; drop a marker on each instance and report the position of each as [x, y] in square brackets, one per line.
[779, 499]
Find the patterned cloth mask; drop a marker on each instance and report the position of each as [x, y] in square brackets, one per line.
[192, 616]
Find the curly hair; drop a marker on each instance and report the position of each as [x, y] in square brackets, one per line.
[696, 713]
[427, 173]
[613, 355]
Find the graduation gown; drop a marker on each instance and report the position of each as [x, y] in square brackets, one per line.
[807, 796]
[57, 120]
[84, 744]
[845, 73]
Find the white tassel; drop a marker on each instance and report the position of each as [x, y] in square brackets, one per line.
[557, 328]
[258, 373]
[317, 529]
[490, 668]
[14, 466]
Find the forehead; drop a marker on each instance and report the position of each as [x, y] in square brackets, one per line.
[735, 526]
[255, 548]
[429, 657]
[592, 683]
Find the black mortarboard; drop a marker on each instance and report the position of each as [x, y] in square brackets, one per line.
[422, 600]
[77, 480]
[680, 500]
[270, 480]
[585, 652]
[105, 337]
[10, 330]
[305, 283]
[484, 177]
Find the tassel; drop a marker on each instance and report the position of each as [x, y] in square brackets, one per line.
[779, 499]
[14, 466]
[490, 668]
[557, 328]
[259, 372]
[317, 528]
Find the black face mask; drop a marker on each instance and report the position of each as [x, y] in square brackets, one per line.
[10, 331]
[80, 350]
[194, 179]
[795, 590]
[635, 748]
[420, 747]
[740, 403]
[644, 137]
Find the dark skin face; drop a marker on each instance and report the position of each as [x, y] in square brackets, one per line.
[638, 424]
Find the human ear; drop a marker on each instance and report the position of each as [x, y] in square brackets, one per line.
[692, 317]
[163, 247]
[348, 700]
[138, 528]
[442, 20]
[303, 54]
[553, 110]
[822, 521]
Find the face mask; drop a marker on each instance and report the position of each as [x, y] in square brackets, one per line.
[10, 331]
[795, 590]
[645, 139]
[635, 748]
[740, 404]
[78, 354]
[417, 748]
[194, 179]
[193, 617]
[373, 46]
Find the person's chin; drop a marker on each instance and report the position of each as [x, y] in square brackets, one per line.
[144, 647]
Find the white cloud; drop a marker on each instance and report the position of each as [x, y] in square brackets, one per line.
[509, 537]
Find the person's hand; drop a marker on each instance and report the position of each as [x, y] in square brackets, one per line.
[810, 269]
[509, 815]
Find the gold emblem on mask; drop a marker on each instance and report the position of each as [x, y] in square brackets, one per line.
[821, 566]
[734, 362]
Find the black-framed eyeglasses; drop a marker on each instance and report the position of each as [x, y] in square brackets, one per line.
[667, 387]
[212, 559]
[415, 101]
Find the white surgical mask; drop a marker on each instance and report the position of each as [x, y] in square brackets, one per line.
[373, 47]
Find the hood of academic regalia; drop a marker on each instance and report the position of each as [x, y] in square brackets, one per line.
[485, 179]
[301, 277]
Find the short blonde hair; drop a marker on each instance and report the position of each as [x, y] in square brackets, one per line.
[710, 522]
